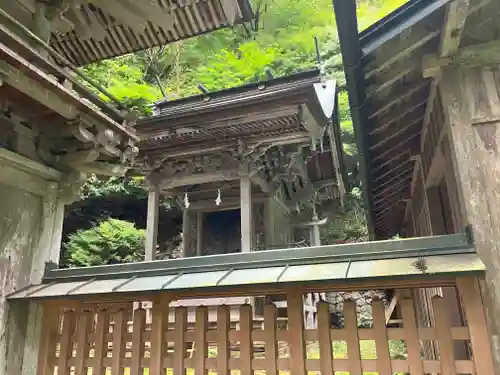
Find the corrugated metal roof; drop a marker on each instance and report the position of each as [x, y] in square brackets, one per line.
[423, 257]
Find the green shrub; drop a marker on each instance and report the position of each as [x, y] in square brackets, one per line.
[112, 241]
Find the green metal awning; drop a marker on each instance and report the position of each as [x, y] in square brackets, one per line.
[445, 256]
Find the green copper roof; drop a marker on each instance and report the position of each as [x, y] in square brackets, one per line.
[422, 257]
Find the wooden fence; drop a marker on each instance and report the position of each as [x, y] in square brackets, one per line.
[120, 339]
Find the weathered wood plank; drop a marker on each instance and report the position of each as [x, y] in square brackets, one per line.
[296, 325]
[66, 341]
[271, 345]
[201, 340]
[470, 293]
[138, 341]
[84, 326]
[179, 339]
[443, 333]
[119, 328]
[246, 343]
[223, 327]
[101, 345]
[352, 338]
[411, 337]
[324, 338]
[159, 328]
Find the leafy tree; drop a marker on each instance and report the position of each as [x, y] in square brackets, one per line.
[112, 241]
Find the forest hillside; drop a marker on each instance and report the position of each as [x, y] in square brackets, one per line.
[107, 224]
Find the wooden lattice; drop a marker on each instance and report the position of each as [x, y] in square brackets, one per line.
[118, 339]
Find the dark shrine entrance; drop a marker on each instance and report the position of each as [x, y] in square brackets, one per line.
[221, 232]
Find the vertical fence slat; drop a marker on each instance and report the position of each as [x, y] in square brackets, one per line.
[119, 327]
[324, 338]
[381, 339]
[179, 340]
[47, 351]
[100, 345]
[137, 341]
[411, 337]
[295, 309]
[158, 328]
[352, 338]
[201, 340]
[82, 347]
[470, 294]
[223, 340]
[66, 343]
[271, 345]
[443, 333]
[246, 344]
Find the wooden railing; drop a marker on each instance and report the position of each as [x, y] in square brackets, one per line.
[116, 339]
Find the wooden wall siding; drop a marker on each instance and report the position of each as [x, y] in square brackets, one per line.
[420, 208]
[118, 339]
[433, 135]
[452, 184]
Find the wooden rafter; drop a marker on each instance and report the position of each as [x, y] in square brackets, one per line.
[420, 35]
[398, 95]
[391, 76]
[406, 128]
[395, 117]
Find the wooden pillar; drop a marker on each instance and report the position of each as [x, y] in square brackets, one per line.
[471, 104]
[199, 233]
[246, 213]
[152, 223]
[186, 233]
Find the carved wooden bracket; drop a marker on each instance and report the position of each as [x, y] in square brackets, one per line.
[71, 186]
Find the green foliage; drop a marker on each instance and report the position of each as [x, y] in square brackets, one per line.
[349, 226]
[119, 198]
[112, 241]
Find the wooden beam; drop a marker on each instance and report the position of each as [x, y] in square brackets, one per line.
[36, 91]
[471, 56]
[199, 178]
[417, 39]
[101, 168]
[456, 15]
[79, 157]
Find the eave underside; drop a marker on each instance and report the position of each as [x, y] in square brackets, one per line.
[391, 99]
[94, 30]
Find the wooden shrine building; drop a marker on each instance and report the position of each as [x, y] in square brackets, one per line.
[257, 169]
[253, 167]
[424, 90]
